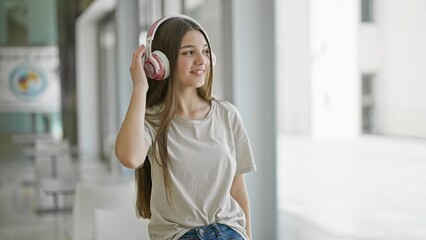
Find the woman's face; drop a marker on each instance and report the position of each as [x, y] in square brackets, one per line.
[193, 61]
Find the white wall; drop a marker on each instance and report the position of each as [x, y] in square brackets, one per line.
[370, 48]
[293, 66]
[401, 98]
[335, 72]
[87, 77]
[319, 81]
[318, 73]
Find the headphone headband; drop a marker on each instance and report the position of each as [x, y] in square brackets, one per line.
[151, 32]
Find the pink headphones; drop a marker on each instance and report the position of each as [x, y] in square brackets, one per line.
[156, 64]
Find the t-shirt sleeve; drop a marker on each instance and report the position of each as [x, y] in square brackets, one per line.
[243, 151]
[149, 132]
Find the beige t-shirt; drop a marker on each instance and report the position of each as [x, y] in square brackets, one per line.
[205, 155]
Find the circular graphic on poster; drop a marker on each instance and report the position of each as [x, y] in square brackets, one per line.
[27, 82]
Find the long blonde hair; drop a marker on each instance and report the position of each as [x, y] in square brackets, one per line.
[162, 93]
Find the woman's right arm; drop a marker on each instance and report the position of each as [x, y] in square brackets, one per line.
[130, 145]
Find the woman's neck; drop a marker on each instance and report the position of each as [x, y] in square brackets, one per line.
[192, 106]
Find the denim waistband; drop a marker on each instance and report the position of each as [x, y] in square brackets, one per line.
[211, 232]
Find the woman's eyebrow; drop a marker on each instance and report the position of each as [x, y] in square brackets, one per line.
[191, 46]
[187, 46]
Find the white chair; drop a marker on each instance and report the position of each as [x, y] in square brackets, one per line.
[105, 193]
[119, 224]
[54, 174]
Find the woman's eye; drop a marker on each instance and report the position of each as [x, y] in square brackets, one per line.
[205, 52]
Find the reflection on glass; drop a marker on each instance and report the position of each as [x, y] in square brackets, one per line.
[16, 22]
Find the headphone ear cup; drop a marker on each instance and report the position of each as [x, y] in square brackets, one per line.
[157, 66]
[213, 59]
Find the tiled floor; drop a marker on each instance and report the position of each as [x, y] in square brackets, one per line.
[17, 206]
[18, 203]
[368, 189]
[371, 188]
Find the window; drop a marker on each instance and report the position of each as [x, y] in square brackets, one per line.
[367, 84]
[15, 20]
[367, 11]
[367, 102]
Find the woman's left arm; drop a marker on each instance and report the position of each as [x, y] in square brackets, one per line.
[239, 193]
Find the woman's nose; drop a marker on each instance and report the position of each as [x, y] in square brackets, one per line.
[201, 59]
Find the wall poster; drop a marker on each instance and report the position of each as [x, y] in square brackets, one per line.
[29, 79]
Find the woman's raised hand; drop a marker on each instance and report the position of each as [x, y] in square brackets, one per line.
[136, 69]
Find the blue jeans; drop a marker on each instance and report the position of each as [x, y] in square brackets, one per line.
[212, 232]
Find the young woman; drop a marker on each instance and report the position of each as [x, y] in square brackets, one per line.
[190, 151]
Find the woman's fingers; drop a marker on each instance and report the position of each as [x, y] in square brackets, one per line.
[136, 68]
[137, 56]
